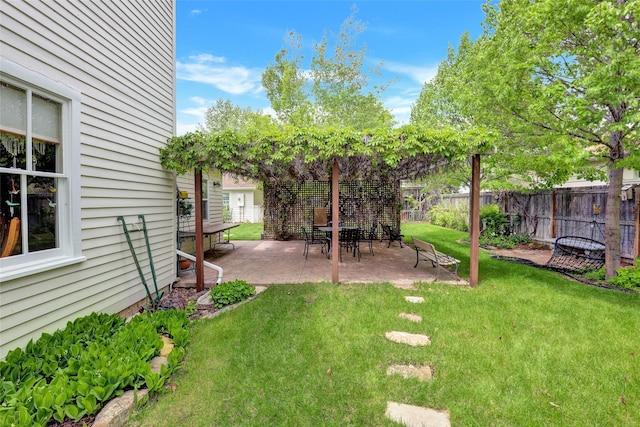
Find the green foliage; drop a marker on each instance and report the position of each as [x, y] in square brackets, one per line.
[596, 275]
[494, 222]
[454, 216]
[627, 277]
[496, 230]
[191, 308]
[509, 241]
[231, 292]
[75, 371]
[332, 90]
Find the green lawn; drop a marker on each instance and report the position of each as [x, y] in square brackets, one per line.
[525, 348]
[247, 231]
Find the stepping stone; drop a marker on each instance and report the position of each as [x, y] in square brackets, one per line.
[422, 373]
[416, 416]
[415, 300]
[414, 340]
[411, 316]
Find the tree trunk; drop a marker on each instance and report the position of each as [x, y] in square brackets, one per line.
[612, 214]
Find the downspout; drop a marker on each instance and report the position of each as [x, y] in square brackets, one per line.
[206, 264]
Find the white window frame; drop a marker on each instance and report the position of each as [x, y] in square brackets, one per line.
[205, 199]
[69, 250]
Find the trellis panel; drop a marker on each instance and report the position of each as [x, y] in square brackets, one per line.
[290, 206]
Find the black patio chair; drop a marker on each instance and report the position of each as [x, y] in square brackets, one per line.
[369, 237]
[312, 240]
[349, 239]
[392, 234]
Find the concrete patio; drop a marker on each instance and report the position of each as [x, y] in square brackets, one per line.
[269, 262]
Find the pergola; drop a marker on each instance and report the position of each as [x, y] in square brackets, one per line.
[313, 154]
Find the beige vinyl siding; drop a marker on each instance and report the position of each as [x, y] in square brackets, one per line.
[120, 56]
[186, 183]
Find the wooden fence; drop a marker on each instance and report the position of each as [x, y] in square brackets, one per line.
[546, 215]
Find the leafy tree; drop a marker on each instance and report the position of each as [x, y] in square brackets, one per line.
[333, 93]
[284, 82]
[224, 115]
[457, 98]
[569, 74]
[560, 83]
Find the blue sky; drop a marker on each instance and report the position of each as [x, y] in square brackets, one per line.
[223, 47]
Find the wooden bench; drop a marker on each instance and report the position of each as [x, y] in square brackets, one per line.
[437, 259]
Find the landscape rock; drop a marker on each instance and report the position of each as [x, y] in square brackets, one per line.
[167, 347]
[421, 373]
[416, 416]
[411, 316]
[116, 412]
[157, 362]
[414, 340]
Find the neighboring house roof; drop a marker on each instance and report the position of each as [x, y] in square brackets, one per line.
[231, 183]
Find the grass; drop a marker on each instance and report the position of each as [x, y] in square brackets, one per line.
[525, 348]
[247, 231]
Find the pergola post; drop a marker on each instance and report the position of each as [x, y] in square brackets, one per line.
[475, 220]
[199, 235]
[335, 221]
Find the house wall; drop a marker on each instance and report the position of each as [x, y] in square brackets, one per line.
[251, 211]
[120, 57]
[187, 183]
[629, 177]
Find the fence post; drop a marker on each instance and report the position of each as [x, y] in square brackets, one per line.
[552, 216]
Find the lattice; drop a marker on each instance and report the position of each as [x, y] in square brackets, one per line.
[290, 206]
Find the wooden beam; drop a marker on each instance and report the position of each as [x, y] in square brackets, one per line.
[475, 220]
[335, 221]
[199, 233]
[636, 221]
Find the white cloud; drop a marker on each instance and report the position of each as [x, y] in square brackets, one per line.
[199, 100]
[207, 57]
[400, 105]
[182, 128]
[415, 72]
[195, 12]
[236, 80]
[195, 111]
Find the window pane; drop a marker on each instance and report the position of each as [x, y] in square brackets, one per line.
[13, 126]
[46, 119]
[10, 242]
[45, 156]
[13, 109]
[42, 206]
[46, 124]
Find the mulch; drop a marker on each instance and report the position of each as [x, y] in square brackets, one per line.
[179, 298]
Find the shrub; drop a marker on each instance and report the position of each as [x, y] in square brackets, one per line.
[627, 277]
[503, 241]
[494, 222]
[231, 293]
[455, 217]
